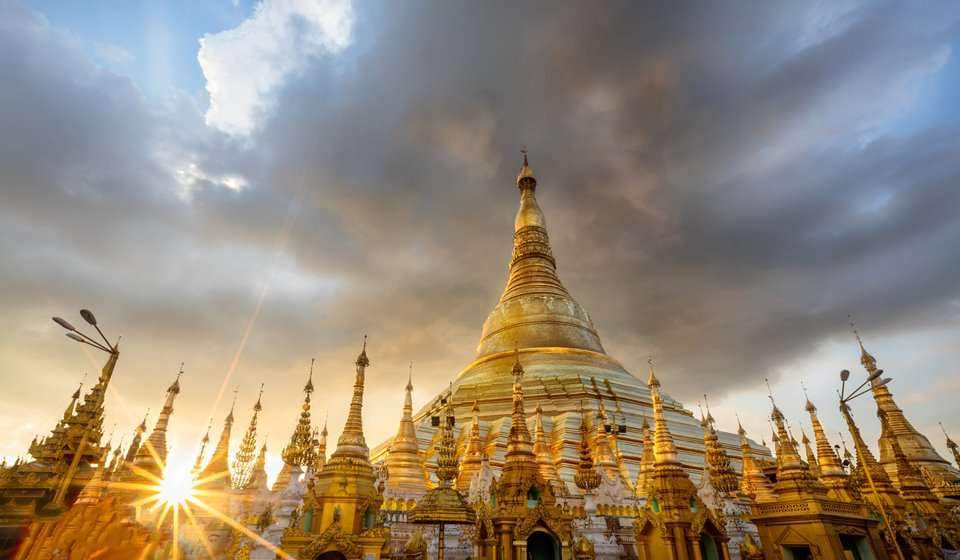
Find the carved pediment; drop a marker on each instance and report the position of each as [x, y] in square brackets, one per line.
[333, 538]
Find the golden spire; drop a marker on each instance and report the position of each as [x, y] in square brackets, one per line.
[883, 488]
[602, 453]
[793, 475]
[920, 452]
[351, 442]
[811, 457]
[911, 484]
[828, 463]
[258, 475]
[548, 469]
[587, 478]
[722, 475]
[753, 482]
[664, 450]
[446, 455]
[298, 451]
[473, 456]
[153, 453]
[533, 279]
[674, 493]
[243, 462]
[218, 470]
[321, 458]
[951, 445]
[135, 443]
[519, 444]
[404, 465]
[198, 464]
[646, 460]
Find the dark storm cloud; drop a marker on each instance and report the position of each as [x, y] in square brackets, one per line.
[722, 187]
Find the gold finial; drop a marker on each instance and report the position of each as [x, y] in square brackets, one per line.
[652, 379]
[740, 429]
[706, 402]
[308, 388]
[856, 333]
[525, 178]
[410, 377]
[362, 360]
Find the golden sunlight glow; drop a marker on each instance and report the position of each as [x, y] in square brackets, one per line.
[176, 486]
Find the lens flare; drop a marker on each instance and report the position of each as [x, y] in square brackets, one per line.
[176, 487]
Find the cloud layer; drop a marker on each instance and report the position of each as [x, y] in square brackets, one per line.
[722, 188]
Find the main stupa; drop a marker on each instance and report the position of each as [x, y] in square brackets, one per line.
[566, 368]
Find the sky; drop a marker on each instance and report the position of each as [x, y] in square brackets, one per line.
[244, 186]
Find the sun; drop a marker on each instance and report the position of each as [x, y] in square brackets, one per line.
[176, 487]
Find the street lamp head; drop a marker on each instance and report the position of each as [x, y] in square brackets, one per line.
[885, 381]
[75, 336]
[875, 375]
[845, 375]
[63, 323]
[88, 316]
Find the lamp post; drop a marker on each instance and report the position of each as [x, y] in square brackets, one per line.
[845, 398]
[74, 334]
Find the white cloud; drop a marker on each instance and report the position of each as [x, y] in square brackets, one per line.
[245, 64]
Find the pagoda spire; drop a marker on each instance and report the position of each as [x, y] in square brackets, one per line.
[404, 465]
[829, 465]
[298, 453]
[586, 478]
[919, 450]
[218, 469]
[152, 455]
[912, 486]
[243, 462]
[753, 483]
[602, 451]
[258, 475]
[548, 468]
[135, 443]
[882, 490]
[951, 445]
[811, 457]
[664, 450]
[473, 456]
[793, 475]
[670, 486]
[198, 464]
[519, 444]
[533, 277]
[352, 443]
[722, 475]
[321, 459]
[646, 460]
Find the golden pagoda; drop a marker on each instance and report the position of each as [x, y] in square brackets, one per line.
[443, 505]
[944, 478]
[150, 458]
[526, 520]
[63, 463]
[473, 455]
[245, 457]
[753, 483]
[339, 512]
[829, 468]
[216, 475]
[803, 520]
[299, 452]
[565, 364]
[406, 476]
[674, 523]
